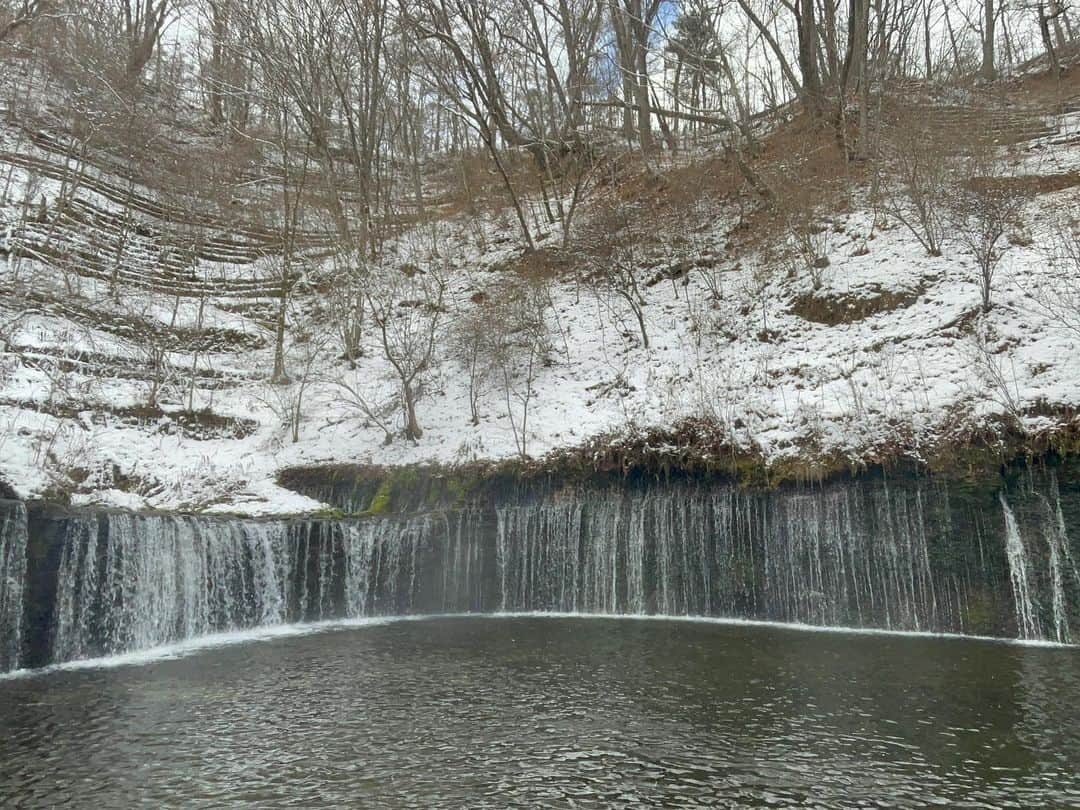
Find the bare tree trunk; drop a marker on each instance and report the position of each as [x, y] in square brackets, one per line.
[219, 26]
[988, 71]
[857, 43]
[808, 57]
[412, 425]
[1047, 40]
[774, 46]
[928, 62]
[279, 375]
[529, 244]
[644, 103]
[626, 66]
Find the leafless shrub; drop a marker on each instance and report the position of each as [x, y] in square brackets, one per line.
[153, 346]
[808, 241]
[1057, 295]
[375, 410]
[919, 180]
[996, 374]
[502, 342]
[347, 303]
[407, 307]
[287, 400]
[520, 347]
[756, 291]
[616, 237]
[471, 347]
[983, 210]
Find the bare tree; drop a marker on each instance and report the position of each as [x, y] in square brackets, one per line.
[633, 23]
[226, 71]
[519, 344]
[407, 307]
[988, 70]
[307, 351]
[19, 15]
[983, 211]
[920, 177]
[615, 237]
[139, 24]
[1057, 295]
[345, 296]
[473, 349]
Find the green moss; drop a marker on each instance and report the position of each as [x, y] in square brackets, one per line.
[380, 504]
[329, 513]
[691, 449]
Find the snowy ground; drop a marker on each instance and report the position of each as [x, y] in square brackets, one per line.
[926, 367]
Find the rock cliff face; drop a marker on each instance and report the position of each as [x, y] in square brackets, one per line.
[997, 558]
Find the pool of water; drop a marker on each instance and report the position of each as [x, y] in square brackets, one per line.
[564, 712]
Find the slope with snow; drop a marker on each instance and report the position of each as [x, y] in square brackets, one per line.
[914, 365]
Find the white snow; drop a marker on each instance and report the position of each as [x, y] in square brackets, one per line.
[916, 372]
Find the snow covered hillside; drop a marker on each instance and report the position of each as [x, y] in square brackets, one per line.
[134, 375]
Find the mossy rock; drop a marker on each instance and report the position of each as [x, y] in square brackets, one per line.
[380, 504]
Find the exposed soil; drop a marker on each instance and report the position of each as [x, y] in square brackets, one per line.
[833, 308]
[198, 425]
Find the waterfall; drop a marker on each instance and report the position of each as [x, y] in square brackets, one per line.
[128, 582]
[13, 540]
[1026, 618]
[1063, 568]
[841, 556]
[138, 581]
[901, 556]
[77, 589]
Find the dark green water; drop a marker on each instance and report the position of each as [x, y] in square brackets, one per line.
[564, 712]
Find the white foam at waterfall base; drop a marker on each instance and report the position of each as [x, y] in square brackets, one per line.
[255, 635]
[191, 646]
[798, 627]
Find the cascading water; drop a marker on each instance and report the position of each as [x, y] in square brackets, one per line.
[1026, 619]
[1063, 568]
[834, 557]
[139, 581]
[901, 556]
[128, 582]
[13, 539]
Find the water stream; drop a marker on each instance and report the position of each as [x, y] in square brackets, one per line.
[12, 583]
[910, 556]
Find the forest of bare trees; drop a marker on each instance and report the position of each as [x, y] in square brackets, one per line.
[365, 92]
[331, 126]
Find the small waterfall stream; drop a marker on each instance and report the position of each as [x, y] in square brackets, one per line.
[903, 556]
[1063, 569]
[1026, 620]
[13, 538]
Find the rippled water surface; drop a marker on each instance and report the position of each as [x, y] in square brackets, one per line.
[496, 712]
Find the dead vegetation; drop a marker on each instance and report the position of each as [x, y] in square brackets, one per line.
[833, 308]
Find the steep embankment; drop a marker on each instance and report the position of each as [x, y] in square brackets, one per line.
[137, 339]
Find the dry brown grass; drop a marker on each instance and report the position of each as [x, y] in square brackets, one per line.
[801, 162]
[1034, 184]
[1043, 90]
